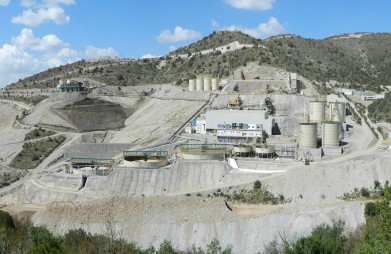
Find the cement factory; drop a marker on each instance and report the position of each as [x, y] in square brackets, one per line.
[171, 147]
[238, 129]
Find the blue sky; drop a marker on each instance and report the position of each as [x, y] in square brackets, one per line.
[40, 34]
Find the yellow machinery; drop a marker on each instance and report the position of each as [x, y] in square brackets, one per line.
[235, 104]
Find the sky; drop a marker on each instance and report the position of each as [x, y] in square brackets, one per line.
[39, 34]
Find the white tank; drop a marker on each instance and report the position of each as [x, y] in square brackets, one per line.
[192, 85]
[68, 81]
[317, 111]
[264, 149]
[61, 82]
[330, 133]
[341, 112]
[207, 84]
[199, 84]
[308, 135]
[215, 84]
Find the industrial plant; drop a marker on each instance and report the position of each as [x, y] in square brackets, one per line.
[209, 138]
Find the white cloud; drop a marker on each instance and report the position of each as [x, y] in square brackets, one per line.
[215, 25]
[65, 55]
[253, 5]
[180, 34]
[16, 64]
[271, 28]
[28, 3]
[149, 56]
[172, 48]
[28, 54]
[50, 42]
[4, 2]
[25, 39]
[92, 52]
[40, 13]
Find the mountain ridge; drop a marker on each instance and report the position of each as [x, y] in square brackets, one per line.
[356, 60]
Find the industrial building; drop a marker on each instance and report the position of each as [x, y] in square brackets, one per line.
[69, 87]
[239, 119]
[239, 126]
[294, 83]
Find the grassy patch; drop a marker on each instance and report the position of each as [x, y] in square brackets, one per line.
[257, 195]
[38, 133]
[375, 192]
[33, 153]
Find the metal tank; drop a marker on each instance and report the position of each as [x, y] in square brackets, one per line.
[331, 133]
[192, 85]
[317, 111]
[199, 84]
[207, 84]
[264, 150]
[242, 150]
[308, 135]
[215, 84]
[341, 116]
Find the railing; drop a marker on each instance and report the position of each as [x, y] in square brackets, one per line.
[146, 154]
[92, 161]
[203, 147]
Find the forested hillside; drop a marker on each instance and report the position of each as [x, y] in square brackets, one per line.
[356, 61]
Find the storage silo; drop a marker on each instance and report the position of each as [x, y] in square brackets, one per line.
[215, 84]
[330, 133]
[192, 84]
[340, 113]
[264, 151]
[199, 84]
[317, 111]
[308, 135]
[207, 84]
[242, 150]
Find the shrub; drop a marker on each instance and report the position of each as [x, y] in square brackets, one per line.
[364, 192]
[257, 184]
[370, 209]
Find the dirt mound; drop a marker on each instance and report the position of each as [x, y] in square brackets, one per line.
[94, 115]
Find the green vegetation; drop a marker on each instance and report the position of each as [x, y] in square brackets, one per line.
[374, 237]
[21, 237]
[28, 99]
[38, 133]
[257, 195]
[320, 60]
[33, 153]
[380, 110]
[375, 192]
[6, 178]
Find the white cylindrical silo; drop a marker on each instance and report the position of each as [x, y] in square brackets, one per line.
[199, 84]
[338, 115]
[330, 133]
[192, 85]
[317, 111]
[207, 84]
[215, 84]
[308, 135]
[68, 81]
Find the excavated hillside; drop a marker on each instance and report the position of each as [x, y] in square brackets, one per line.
[94, 115]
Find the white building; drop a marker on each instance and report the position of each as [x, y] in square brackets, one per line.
[239, 119]
[239, 135]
